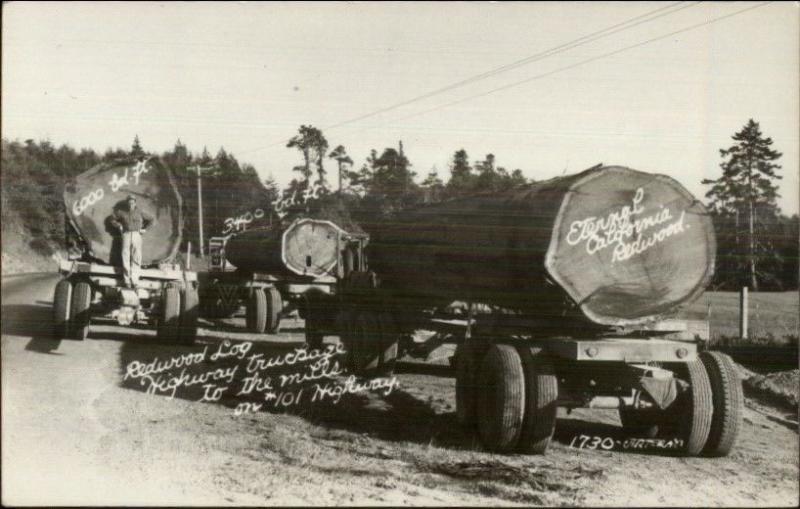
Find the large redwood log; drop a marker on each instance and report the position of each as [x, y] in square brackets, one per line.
[92, 197]
[621, 246]
[306, 247]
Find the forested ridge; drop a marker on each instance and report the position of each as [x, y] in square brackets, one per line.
[757, 245]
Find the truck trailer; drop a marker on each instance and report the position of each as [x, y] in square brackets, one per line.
[273, 270]
[92, 285]
[568, 291]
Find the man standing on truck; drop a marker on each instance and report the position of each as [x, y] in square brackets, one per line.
[131, 222]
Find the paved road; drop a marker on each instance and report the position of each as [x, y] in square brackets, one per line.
[75, 431]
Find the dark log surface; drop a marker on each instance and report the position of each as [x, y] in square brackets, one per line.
[93, 196]
[621, 246]
[307, 247]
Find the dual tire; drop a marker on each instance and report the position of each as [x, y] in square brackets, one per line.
[62, 303]
[707, 417]
[72, 310]
[371, 341]
[178, 315]
[263, 310]
[369, 333]
[511, 397]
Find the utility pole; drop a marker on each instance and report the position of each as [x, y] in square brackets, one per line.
[200, 209]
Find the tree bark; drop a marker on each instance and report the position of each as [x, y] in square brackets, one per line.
[752, 238]
[753, 278]
[552, 247]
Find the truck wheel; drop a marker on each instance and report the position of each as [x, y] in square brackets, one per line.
[694, 409]
[468, 360]
[313, 336]
[541, 395]
[62, 298]
[257, 311]
[188, 316]
[351, 339]
[312, 330]
[639, 423]
[274, 308]
[501, 398]
[169, 319]
[372, 344]
[728, 401]
[366, 336]
[345, 323]
[388, 345]
[80, 312]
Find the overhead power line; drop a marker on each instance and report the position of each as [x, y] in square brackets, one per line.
[586, 61]
[619, 27]
[606, 32]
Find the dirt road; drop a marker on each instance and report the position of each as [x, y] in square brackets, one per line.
[77, 431]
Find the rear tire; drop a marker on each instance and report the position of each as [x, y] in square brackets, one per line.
[388, 346]
[188, 316]
[468, 361]
[257, 311]
[80, 312]
[728, 401]
[372, 344]
[310, 310]
[501, 398]
[169, 319]
[62, 300]
[691, 415]
[274, 308]
[541, 395]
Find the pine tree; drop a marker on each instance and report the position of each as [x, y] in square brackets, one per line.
[341, 157]
[136, 148]
[746, 192]
[312, 144]
[272, 190]
[433, 186]
[461, 176]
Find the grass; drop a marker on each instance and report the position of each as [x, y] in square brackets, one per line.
[774, 317]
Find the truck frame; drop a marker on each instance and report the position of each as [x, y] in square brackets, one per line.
[267, 297]
[512, 372]
[166, 297]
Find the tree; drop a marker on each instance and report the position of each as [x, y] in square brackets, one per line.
[360, 181]
[178, 159]
[272, 190]
[392, 180]
[746, 191]
[136, 148]
[312, 144]
[433, 187]
[518, 178]
[461, 177]
[341, 157]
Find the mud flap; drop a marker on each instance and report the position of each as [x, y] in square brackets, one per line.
[663, 391]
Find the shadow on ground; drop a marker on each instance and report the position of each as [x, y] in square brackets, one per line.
[34, 322]
[393, 415]
[396, 415]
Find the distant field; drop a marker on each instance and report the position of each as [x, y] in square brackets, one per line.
[774, 316]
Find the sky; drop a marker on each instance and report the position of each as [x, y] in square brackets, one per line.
[244, 76]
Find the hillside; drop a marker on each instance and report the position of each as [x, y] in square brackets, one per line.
[35, 233]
